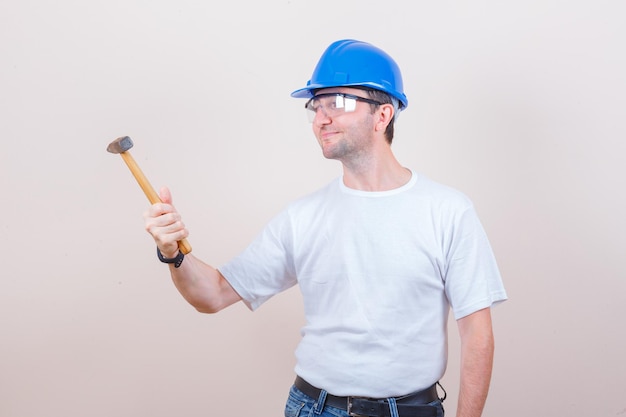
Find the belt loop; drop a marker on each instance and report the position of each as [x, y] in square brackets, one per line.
[393, 407]
[321, 401]
[445, 394]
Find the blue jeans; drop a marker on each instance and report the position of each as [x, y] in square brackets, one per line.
[301, 405]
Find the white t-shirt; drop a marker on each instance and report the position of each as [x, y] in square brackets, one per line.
[379, 272]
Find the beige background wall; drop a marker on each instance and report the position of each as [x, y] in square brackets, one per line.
[519, 104]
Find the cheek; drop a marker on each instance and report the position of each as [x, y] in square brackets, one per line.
[362, 127]
[316, 132]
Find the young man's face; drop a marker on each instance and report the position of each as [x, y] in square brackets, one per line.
[343, 133]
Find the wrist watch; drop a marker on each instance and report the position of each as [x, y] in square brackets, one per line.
[177, 260]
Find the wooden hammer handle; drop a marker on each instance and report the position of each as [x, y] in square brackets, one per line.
[149, 191]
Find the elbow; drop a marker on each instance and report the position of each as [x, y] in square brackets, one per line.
[203, 305]
[211, 298]
[206, 309]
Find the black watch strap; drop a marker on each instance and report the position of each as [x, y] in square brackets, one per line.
[177, 260]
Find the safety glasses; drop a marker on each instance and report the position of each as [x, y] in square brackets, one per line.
[334, 104]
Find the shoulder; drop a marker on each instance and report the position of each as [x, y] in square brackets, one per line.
[439, 193]
[306, 207]
[314, 200]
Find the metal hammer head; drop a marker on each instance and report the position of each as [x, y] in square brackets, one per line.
[119, 145]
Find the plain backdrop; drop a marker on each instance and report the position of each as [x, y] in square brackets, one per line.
[521, 105]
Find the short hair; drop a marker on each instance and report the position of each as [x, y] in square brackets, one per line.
[385, 98]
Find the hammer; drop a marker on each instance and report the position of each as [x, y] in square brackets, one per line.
[121, 146]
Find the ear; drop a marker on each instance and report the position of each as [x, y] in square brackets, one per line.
[385, 115]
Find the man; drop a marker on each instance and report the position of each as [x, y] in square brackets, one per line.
[380, 256]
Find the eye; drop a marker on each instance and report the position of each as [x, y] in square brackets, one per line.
[338, 102]
[349, 104]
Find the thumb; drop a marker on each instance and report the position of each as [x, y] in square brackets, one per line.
[165, 195]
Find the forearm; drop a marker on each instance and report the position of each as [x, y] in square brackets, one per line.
[477, 348]
[202, 285]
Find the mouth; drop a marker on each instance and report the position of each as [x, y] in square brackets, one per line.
[326, 135]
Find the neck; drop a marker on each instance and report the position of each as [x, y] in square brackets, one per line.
[382, 174]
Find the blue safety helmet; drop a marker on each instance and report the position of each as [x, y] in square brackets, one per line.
[352, 63]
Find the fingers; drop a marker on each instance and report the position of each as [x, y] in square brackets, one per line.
[165, 224]
[165, 195]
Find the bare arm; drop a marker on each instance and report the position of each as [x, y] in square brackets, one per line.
[201, 285]
[477, 346]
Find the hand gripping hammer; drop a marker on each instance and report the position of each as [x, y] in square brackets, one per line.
[121, 146]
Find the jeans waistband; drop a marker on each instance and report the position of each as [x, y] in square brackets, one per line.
[414, 404]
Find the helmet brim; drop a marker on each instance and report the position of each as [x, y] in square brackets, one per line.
[309, 91]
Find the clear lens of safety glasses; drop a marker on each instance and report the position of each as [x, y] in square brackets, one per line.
[334, 104]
